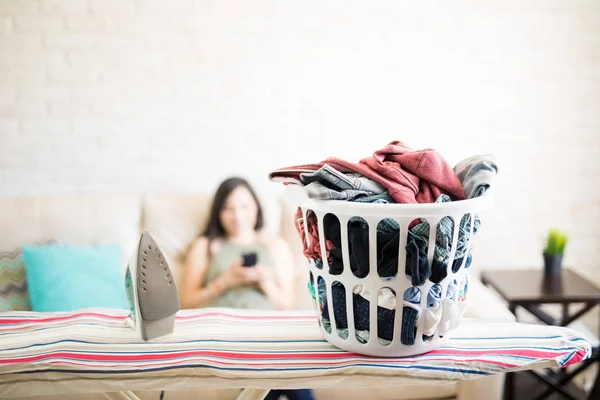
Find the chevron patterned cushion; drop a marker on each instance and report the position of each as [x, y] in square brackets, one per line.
[13, 282]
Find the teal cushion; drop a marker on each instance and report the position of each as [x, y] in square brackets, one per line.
[68, 278]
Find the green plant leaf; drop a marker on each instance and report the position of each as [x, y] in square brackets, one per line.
[556, 243]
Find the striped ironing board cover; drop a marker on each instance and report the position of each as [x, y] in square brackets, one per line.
[95, 350]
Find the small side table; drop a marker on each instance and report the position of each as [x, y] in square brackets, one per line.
[530, 289]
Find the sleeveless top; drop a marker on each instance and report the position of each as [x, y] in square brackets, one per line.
[249, 297]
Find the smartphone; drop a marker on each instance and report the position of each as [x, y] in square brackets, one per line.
[249, 259]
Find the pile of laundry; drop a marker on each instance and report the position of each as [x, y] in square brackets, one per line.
[394, 174]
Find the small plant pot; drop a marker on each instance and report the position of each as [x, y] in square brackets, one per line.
[552, 264]
[552, 284]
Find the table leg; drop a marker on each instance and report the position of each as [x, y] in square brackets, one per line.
[563, 381]
[595, 393]
[565, 314]
[509, 386]
[567, 393]
[562, 372]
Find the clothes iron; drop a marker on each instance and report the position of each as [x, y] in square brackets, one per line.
[151, 291]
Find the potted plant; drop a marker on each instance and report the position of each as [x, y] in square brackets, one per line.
[554, 251]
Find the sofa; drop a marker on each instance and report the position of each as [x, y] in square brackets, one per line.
[174, 220]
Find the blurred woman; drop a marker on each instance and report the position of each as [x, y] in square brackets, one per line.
[232, 264]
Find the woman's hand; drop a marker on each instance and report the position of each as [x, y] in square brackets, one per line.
[266, 277]
[237, 275]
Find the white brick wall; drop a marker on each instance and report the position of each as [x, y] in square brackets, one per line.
[145, 95]
[39, 24]
[63, 7]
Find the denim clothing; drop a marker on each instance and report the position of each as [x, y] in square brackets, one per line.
[381, 198]
[410, 315]
[417, 266]
[457, 262]
[358, 249]
[333, 178]
[434, 296]
[439, 268]
[444, 232]
[327, 183]
[476, 174]
[412, 295]
[318, 191]
[409, 325]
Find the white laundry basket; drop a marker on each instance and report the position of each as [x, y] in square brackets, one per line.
[451, 311]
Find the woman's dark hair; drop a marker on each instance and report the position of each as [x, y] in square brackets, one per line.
[214, 229]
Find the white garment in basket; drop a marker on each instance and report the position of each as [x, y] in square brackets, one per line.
[386, 297]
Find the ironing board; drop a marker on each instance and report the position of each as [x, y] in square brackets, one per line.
[97, 351]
